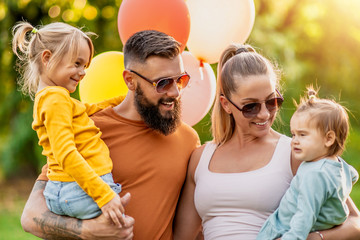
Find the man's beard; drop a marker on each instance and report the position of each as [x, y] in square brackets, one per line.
[151, 115]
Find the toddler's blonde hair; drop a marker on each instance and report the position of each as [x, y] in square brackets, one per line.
[327, 115]
[29, 43]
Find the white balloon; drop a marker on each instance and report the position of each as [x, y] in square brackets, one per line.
[216, 24]
[198, 97]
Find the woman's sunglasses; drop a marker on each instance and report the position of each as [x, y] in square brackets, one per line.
[251, 110]
[163, 85]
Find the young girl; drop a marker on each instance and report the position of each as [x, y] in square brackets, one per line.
[80, 182]
[316, 199]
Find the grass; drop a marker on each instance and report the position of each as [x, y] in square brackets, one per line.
[10, 228]
[13, 195]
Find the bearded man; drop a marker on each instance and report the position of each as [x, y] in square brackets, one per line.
[149, 145]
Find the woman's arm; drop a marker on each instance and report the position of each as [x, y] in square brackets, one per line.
[349, 230]
[39, 221]
[187, 221]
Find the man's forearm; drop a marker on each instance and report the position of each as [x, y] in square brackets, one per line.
[56, 227]
[39, 221]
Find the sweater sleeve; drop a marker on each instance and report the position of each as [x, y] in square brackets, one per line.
[92, 108]
[57, 115]
[313, 191]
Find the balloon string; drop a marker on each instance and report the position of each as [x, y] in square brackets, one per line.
[201, 70]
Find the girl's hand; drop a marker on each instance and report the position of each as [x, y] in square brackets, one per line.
[114, 211]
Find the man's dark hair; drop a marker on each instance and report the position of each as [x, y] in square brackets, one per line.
[148, 43]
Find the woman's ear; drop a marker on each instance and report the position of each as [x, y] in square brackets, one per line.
[225, 104]
[330, 138]
[45, 57]
[129, 80]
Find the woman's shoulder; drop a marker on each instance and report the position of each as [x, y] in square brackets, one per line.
[196, 156]
[279, 136]
[199, 150]
[279, 140]
[284, 140]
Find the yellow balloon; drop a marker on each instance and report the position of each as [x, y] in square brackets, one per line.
[103, 79]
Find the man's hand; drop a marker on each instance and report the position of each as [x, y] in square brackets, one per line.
[103, 228]
[39, 221]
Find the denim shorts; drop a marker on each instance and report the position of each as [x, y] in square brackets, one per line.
[68, 198]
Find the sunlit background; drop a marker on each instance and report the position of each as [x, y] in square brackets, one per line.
[312, 41]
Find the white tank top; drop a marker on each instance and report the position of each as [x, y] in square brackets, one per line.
[235, 205]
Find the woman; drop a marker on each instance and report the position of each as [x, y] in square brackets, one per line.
[236, 181]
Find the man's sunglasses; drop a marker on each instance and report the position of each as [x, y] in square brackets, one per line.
[163, 85]
[251, 110]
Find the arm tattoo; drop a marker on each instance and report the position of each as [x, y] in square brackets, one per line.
[59, 227]
[54, 226]
[39, 185]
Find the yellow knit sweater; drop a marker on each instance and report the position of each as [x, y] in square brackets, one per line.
[71, 141]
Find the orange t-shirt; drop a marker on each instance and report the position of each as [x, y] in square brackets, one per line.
[149, 165]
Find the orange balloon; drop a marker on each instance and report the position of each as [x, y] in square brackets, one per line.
[167, 16]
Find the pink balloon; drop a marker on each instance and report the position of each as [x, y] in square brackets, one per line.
[198, 97]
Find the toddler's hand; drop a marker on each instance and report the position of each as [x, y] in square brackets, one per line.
[114, 211]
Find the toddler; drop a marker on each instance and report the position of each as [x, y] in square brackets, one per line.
[316, 198]
[53, 62]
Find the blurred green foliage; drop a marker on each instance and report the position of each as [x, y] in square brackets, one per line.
[312, 41]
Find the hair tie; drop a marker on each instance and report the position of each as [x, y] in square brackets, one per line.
[241, 50]
[34, 30]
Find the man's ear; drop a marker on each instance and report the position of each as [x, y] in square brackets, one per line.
[129, 80]
[225, 104]
[330, 138]
[45, 57]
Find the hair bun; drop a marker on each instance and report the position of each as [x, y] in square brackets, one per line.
[244, 48]
[241, 50]
[311, 94]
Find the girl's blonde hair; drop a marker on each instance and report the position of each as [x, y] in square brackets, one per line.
[236, 63]
[29, 43]
[327, 115]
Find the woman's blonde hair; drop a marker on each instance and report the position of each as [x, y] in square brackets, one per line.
[236, 63]
[327, 115]
[29, 43]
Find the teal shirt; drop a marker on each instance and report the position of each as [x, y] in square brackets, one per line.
[315, 200]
